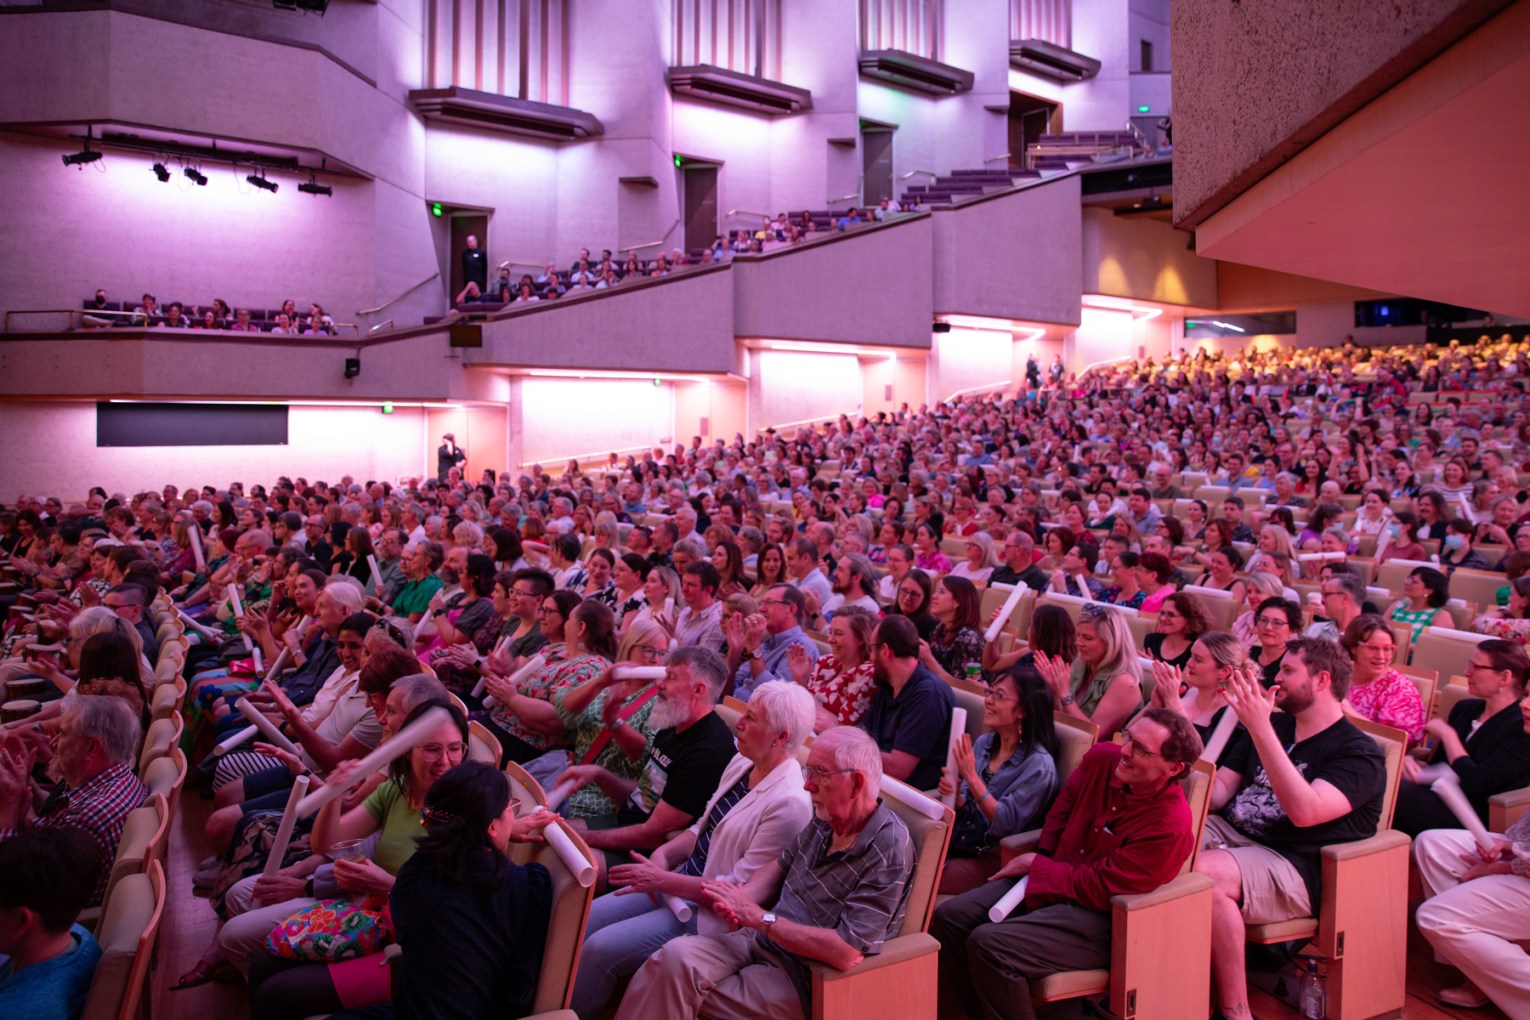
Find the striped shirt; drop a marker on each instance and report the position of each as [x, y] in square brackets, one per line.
[859, 893]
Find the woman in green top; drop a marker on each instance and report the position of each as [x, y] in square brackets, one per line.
[1104, 684]
[421, 584]
[608, 718]
[1425, 593]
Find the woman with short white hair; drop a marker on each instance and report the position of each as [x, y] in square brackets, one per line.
[760, 806]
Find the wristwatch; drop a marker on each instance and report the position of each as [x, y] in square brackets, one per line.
[1065, 700]
[618, 723]
[768, 919]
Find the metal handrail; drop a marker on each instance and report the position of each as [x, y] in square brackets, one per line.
[521, 262]
[380, 327]
[745, 212]
[844, 198]
[995, 159]
[927, 173]
[664, 239]
[400, 297]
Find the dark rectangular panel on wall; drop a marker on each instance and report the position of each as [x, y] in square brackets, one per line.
[170, 424]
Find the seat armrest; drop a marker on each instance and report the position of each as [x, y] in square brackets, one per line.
[1504, 809]
[897, 950]
[1387, 839]
[555, 1014]
[1176, 888]
[1011, 847]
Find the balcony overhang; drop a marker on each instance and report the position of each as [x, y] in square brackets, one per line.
[505, 114]
[733, 88]
[915, 73]
[1049, 60]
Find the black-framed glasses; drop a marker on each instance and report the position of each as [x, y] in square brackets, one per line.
[390, 629]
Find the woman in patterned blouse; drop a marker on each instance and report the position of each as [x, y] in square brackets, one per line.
[1379, 692]
[957, 641]
[843, 681]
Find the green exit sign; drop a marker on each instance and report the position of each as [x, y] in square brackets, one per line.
[1144, 108]
[435, 209]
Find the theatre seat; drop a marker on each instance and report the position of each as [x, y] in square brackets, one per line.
[1160, 957]
[1362, 923]
[118, 989]
[900, 980]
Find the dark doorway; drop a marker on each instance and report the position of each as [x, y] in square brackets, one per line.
[463, 224]
[1029, 119]
[699, 195]
[876, 163]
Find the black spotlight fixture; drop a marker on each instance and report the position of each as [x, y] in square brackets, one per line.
[85, 155]
[260, 182]
[315, 188]
[195, 175]
[306, 6]
[352, 367]
[162, 173]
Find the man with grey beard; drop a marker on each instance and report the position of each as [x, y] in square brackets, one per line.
[690, 748]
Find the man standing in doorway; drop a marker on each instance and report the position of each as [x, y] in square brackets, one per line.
[448, 456]
[475, 265]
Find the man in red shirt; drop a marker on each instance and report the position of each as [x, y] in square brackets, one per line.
[1120, 825]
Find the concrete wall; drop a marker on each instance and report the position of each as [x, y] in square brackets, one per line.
[873, 287]
[1268, 79]
[1143, 258]
[1014, 257]
[797, 386]
[966, 360]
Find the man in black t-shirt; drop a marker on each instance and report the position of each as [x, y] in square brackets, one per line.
[1292, 782]
[910, 714]
[1019, 566]
[690, 749]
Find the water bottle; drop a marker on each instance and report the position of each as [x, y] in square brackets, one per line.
[1314, 994]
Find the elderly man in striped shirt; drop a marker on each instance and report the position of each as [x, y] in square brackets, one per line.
[843, 886]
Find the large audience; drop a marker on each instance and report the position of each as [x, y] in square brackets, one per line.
[1204, 538]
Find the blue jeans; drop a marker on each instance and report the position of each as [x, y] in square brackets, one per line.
[623, 931]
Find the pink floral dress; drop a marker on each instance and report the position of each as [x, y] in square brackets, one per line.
[1392, 700]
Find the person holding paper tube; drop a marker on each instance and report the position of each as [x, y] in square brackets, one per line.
[1052, 633]
[1482, 742]
[1477, 909]
[607, 716]
[690, 747]
[523, 716]
[1004, 781]
[1120, 825]
[842, 682]
[757, 809]
[392, 810]
[836, 892]
[471, 924]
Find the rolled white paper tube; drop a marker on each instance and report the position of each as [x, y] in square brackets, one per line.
[227, 744]
[1431, 774]
[281, 660]
[678, 907]
[284, 830]
[1008, 610]
[260, 664]
[396, 746]
[195, 531]
[1009, 901]
[958, 728]
[669, 608]
[194, 625]
[233, 599]
[577, 863]
[266, 727]
[1448, 789]
[376, 571]
[910, 797]
[559, 794]
[529, 667]
[625, 672]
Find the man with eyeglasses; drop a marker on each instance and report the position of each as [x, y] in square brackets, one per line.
[843, 888]
[127, 601]
[521, 637]
[1290, 783]
[390, 546]
[1343, 602]
[757, 647]
[1120, 825]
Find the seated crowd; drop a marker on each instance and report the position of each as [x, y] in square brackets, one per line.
[817, 602]
[101, 312]
[589, 272]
